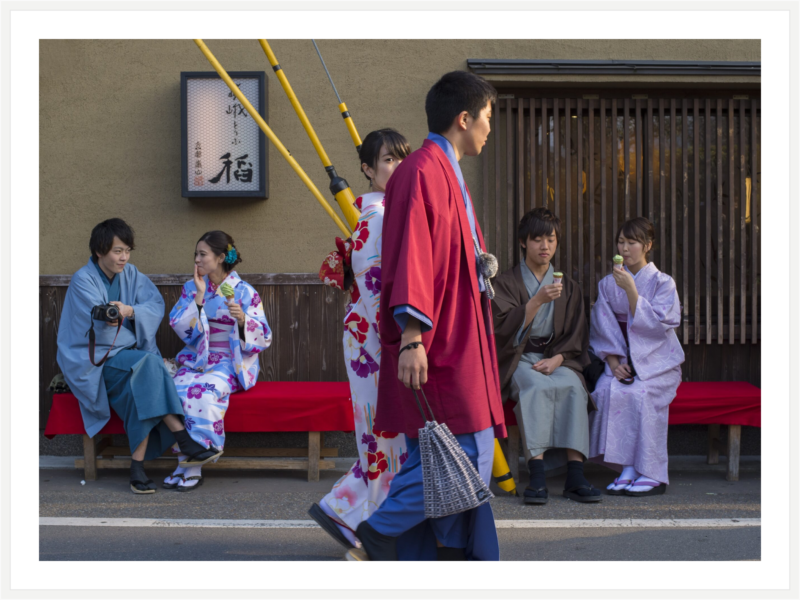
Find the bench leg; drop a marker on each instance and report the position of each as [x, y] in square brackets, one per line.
[734, 443]
[313, 455]
[513, 451]
[89, 459]
[713, 449]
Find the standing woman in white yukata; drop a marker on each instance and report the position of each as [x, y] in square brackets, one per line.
[221, 320]
[381, 453]
[633, 331]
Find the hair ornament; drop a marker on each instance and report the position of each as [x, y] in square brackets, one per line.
[231, 255]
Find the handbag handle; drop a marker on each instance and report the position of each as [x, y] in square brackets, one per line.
[424, 418]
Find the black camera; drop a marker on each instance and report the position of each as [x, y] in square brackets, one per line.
[105, 312]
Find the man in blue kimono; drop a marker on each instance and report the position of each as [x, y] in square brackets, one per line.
[132, 379]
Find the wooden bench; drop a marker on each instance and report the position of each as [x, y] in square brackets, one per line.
[269, 406]
[712, 403]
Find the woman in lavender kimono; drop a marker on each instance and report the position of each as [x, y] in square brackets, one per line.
[221, 320]
[381, 453]
[632, 330]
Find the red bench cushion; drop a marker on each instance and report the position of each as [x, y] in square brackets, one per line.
[704, 402]
[267, 406]
[716, 402]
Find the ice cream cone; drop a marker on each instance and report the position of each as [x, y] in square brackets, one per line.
[226, 290]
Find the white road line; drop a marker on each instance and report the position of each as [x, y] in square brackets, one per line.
[637, 523]
[306, 524]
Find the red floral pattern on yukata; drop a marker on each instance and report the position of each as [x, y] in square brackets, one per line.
[377, 464]
[358, 326]
[360, 235]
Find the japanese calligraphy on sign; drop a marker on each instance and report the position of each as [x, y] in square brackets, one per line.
[223, 146]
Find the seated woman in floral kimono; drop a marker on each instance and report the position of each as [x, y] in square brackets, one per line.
[221, 320]
[633, 331]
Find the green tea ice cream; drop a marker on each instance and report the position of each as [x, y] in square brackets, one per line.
[226, 290]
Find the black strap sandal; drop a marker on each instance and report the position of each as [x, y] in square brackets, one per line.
[533, 496]
[195, 460]
[593, 496]
[189, 488]
[146, 484]
[328, 525]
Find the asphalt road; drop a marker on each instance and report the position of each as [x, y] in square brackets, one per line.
[105, 543]
[696, 492]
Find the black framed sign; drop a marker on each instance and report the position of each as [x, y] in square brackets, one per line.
[224, 152]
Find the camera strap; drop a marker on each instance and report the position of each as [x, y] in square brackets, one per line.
[91, 335]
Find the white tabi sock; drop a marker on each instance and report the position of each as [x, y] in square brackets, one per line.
[175, 477]
[642, 488]
[628, 473]
[190, 472]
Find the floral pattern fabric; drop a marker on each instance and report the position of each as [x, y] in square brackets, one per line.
[381, 453]
[216, 362]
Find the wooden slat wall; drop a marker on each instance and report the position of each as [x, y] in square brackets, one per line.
[306, 320]
[685, 163]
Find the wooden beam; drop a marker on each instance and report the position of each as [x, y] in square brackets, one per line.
[89, 459]
[223, 463]
[181, 278]
[124, 451]
[734, 445]
[513, 451]
[713, 451]
[313, 455]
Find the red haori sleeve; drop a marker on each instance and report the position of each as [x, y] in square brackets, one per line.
[408, 233]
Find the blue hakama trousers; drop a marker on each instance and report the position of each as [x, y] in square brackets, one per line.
[142, 393]
[402, 514]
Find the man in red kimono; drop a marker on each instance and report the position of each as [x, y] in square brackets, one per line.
[436, 329]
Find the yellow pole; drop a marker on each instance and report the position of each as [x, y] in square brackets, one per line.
[348, 120]
[501, 472]
[351, 127]
[339, 187]
[272, 137]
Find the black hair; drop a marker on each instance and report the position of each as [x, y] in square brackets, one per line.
[219, 241]
[454, 93]
[536, 223]
[103, 234]
[639, 229]
[396, 144]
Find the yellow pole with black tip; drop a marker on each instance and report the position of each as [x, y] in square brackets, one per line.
[339, 187]
[272, 137]
[501, 472]
[348, 120]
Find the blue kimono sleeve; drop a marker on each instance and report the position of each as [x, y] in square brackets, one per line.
[185, 319]
[257, 334]
[404, 311]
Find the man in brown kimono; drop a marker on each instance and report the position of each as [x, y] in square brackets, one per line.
[542, 342]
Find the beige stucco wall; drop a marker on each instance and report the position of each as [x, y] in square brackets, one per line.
[110, 134]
